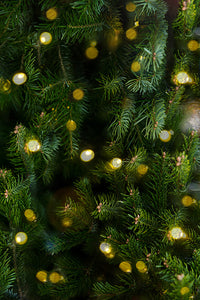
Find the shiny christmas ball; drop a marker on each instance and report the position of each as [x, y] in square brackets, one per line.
[21, 238]
[71, 125]
[125, 266]
[87, 155]
[45, 38]
[19, 78]
[42, 276]
[165, 136]
[191, 116]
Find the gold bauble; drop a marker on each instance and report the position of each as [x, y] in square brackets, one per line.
[135, 66]
[91, 52]
[87, 155]
[45, 38]
[141, 266]
[54, 277]
[142, 169]
[19, 78]
[187, 200]
[130, 6]
[30, 215]
[51, 13]
[165, 136]
[78, 94]
[193, 45]
[33, 145]
[131, 34]
[71, 125]
[42, 276]
[21, 238]
[125, 266]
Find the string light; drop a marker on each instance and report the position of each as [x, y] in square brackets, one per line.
[51, 13]
[116, 163]
[30, 215]
[21, 238]
[141, 266]
[42, 276]
[33, 145]
[187, 201]
[165, 136]
[55, 277]
[130, 7]
[78, 94]
[135, 66]
[142, 169]
[45, 38]
[71, 125]
[125, 266]
[91, 52]
[177, 233]
[87, 155]
[19, 78]
[66, 222]
[193, 45]
[182, 78]
[184, 290]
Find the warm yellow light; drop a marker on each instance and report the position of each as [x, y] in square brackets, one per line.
[21, 238]
[78, 94]
[187, 200]
[141, 266]
[51, 13]
[93, 43]
[42, 276]
[177, 233]
[125, 266]
[165, 136]
[87, 155]
[130, 6]
[19, 78]
[30, 215]
[142, 169]
[131, 34]
[6, 85]
[45, 38]
[66, 222]
[184, 290]
[193, 45]
[54, 277]
[183, 78]
[33, 145]
[135, 67]
[105, 248]
[91, 52]
[116, 163]
[71, 125]
[110, 255]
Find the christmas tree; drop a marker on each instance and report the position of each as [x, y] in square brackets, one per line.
[100, 150]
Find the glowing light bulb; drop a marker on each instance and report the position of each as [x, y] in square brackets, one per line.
[193, 45]
[165, 136]
[183, 78]
[55, 277]
[135, 67]
[177, 233]
[142, 169]
[33, 145]
[30, 215]
[42, 276]
[19, 78]
[141, 266]
[45, 38]
[116, 163]
[21, 238]
[105, 248]
[87, 155]
[125, 266]
[184, 290]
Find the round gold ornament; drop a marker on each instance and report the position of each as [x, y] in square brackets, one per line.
[19, 78]
[87, 155]
[125, 266]
[42, 276]
[21, 238]
[45, 38]
[78, 94]
[130, 6]
[131, 34]
[71, 125]
[135, 66]
[30, 215]
[91, 52]
[116, 163]
[55, 277]
[142, 169]
[165, 136]
[51, 13]
[67, 222]
[33, 145]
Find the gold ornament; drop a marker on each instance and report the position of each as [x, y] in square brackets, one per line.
[19, 78]
[42, 276]
[182, 78]
[33, 145]
[66, 222]
[193, 45]
[187, 200]
[184, 290]
[87, 155]
[130, 7]
[142, 169]
[78, 94]
[91, 52]
[71, 125]
[165, 136]
[51, 13]
[110, 255]
[131, 34]
[55, 277]
[45, 38]
[135, 67]
[105, 248]
[30, 215]
[177, 233]
[141, 266]
[21, 238]
[125, 266]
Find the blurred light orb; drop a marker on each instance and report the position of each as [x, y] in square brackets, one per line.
[142, 169]
[21, 238]
[131, 34]
[130, 6]
[67, 222]
[30, 215]
[45, 38]
[42, 276]
[91, 52]
[193, 45]
[105, 248]
[19, 78]
[125, 266]
[135, 66]
[78, 94]
[87, 155]
[187, 201]
[165, 136]
[93, 43]
[71, 125]
[51, 13]
[33, 145]
[183, 78]
[55, 277]
[184, 290]
[141, 266]
[5, 85]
